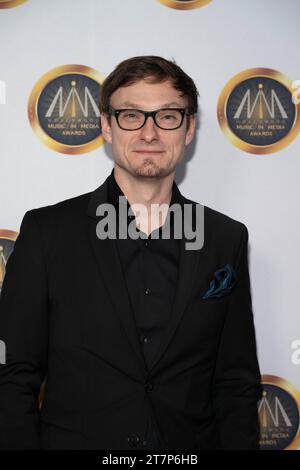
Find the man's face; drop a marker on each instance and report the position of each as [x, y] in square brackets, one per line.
[149, 151]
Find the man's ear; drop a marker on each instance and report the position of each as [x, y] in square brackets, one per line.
[105, 127]
[190, 129]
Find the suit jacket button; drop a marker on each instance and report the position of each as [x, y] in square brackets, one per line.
[149, 386]
[133, 440]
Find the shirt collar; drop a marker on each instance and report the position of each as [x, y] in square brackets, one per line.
[114, 191]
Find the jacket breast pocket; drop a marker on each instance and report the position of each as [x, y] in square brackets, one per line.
[224, 300]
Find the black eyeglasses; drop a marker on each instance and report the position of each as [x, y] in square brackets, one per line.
[133, 119]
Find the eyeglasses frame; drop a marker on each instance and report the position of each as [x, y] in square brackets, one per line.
[116, 112]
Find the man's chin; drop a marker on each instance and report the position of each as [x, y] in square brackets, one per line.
[150, 171]
[150, 168]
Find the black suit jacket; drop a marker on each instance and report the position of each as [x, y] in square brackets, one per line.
[65, 315]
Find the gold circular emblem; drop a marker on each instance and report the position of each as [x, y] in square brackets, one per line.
[8, 235]
[63, 109]
[256, 111]
[7, 241]
[184, 4]
[279, 412]
[10, 3]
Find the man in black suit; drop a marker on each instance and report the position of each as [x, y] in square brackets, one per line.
[143, 341]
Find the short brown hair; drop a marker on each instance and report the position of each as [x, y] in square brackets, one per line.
[154, 68]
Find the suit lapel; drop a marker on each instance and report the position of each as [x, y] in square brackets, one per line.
[111, 273]
[187, 276]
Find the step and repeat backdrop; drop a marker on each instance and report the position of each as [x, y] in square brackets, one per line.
[244, 161]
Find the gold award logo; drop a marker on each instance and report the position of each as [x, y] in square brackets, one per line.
[279, 411]
[256, 111]
[10, 3]
[185, 4]
[63, 109]
[7, 241]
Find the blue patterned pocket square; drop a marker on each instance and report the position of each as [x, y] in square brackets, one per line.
[223, 282]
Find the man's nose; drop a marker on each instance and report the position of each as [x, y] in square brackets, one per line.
[149, 131]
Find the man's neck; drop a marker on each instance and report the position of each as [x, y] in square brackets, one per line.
[150, 193]
[144, 190]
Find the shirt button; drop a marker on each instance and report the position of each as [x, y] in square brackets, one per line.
[146, 243]
[148, 386]
[144, 339]
[147, 291]
[133, 440]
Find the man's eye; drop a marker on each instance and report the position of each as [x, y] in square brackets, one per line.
[169, 117]
[130, 115]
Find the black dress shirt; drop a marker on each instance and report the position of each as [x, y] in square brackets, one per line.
[150, 268]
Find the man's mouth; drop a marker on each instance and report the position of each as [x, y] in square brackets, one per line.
[148, 151]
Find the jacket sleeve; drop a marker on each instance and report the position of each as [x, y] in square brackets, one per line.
[237, 380]
[23, 330]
